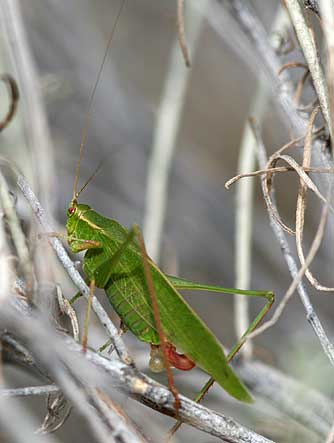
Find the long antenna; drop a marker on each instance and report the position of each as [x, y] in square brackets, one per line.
[90, 179]
[89, 110]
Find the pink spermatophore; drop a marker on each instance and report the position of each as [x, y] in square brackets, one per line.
[179, 361]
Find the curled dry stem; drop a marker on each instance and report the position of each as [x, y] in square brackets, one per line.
[292, 65]
[299, 275]
[300, 87]
[295, 282]
[14, 98]
[275, 170]
[301, 205]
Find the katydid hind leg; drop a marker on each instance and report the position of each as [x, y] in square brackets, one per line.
[163, 340]
[182, 284]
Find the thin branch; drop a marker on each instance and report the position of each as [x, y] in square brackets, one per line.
[30, 390]
[72, 271]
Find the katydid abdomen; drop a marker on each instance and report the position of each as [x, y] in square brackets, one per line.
[125, 284]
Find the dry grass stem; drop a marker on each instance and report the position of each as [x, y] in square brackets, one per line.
[292, 65]
[181, 32]
[301, 206]
[311, 314]
[297, 279]
[276, 169]
[67, 309]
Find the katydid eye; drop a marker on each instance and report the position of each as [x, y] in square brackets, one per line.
[71, 210]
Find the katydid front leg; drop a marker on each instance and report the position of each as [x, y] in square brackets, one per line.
[82, 245]
[87, 316]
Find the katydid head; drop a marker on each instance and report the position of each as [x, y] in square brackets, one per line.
[74, 212]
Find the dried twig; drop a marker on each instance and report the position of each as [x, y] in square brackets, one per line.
[29, 390]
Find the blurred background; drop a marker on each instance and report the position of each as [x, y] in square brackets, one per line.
[68, 40]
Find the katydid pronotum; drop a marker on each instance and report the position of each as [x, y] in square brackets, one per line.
[147, 300]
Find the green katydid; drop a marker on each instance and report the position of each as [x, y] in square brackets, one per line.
[116, 261]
